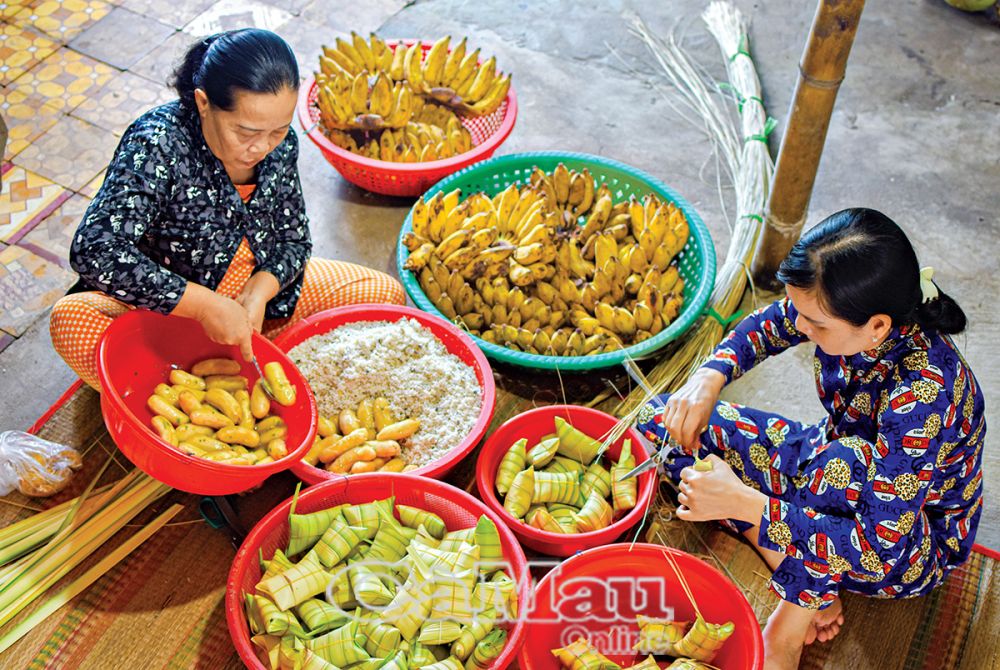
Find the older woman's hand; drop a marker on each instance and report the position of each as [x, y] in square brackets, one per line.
[256, 293]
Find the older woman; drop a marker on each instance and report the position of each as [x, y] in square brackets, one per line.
[201, 212]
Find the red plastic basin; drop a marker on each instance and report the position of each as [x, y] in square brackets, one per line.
[454, 340]
[137, 352]
[533, 425]
[457, 508]
[598, 593]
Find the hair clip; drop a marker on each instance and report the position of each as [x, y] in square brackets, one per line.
[928, 288]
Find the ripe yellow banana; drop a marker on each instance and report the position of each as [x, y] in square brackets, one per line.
[482, 82]
[529, 253]
[413, 66]
[583, 206]
[418, 258]
[560, 182]
[381, 96]
[493, 97]
[451, 243]
[452, 64]
[436, 58]
[396, 69]
[364, 51]
[466, 70]
[351, 53]
[643, 315]
[342, 59]
[359, 94]
[520, 275]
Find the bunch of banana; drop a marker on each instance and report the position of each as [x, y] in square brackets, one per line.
[515, 272]
[510, 235]
[354, 56]
[571, 192]
[455, 78]
[363, 101]
[414, 142]
[366, 86]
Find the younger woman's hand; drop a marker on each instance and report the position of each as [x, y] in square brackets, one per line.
[718, 494]
[689, 409]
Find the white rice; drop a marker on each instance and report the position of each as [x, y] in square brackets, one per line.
[404, 363]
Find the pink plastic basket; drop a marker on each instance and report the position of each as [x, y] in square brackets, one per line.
[406, 179]
[454, 340]
[457, 508]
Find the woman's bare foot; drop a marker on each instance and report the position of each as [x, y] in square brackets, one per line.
[784, 635]
[826, 624]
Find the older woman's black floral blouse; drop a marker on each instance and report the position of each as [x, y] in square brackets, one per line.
[168, 213]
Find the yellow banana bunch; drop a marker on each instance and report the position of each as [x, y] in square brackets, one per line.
[552, 267]
[365, 86]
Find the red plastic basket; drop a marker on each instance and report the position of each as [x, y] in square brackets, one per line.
[454, 340]
[457, 508]
[533, 425]
[598, 593]
[406, 179]
[137, 352]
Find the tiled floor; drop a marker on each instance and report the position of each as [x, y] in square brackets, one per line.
[21, 48]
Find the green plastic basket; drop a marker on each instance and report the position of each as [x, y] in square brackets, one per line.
[696, 261]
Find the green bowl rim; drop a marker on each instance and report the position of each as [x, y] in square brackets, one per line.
[692, 311]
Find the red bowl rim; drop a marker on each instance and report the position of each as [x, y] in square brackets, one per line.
[111, 395]
[374, 312]
[485, 483]
[454, 162]
[654, 551]
[238, 631]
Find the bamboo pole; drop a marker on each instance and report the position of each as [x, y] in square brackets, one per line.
[820, 73]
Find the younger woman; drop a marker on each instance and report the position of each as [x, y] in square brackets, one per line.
[884, 495]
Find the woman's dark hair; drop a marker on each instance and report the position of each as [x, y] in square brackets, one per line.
[862, 264]
[248, 59]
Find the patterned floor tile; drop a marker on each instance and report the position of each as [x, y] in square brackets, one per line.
[10, 8]
[20, 49]
[29, 285]
[27, 198]
[91, 189]
[71, 153]
[121, 38]
[158, 65]
[229, 14]
[176, 13]
[119, 102]
[65, 78]
[52, 237]
[27, 117]
[62, 19]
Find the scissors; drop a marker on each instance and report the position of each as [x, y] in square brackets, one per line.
[659, 456]
[219, 513]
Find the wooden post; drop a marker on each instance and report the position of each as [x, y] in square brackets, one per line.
[820, 73]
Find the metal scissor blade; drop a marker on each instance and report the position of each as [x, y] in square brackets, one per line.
[654, 461]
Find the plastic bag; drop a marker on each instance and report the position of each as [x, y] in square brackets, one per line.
[35, 466]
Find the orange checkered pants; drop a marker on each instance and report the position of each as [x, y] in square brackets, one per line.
[79, 320]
